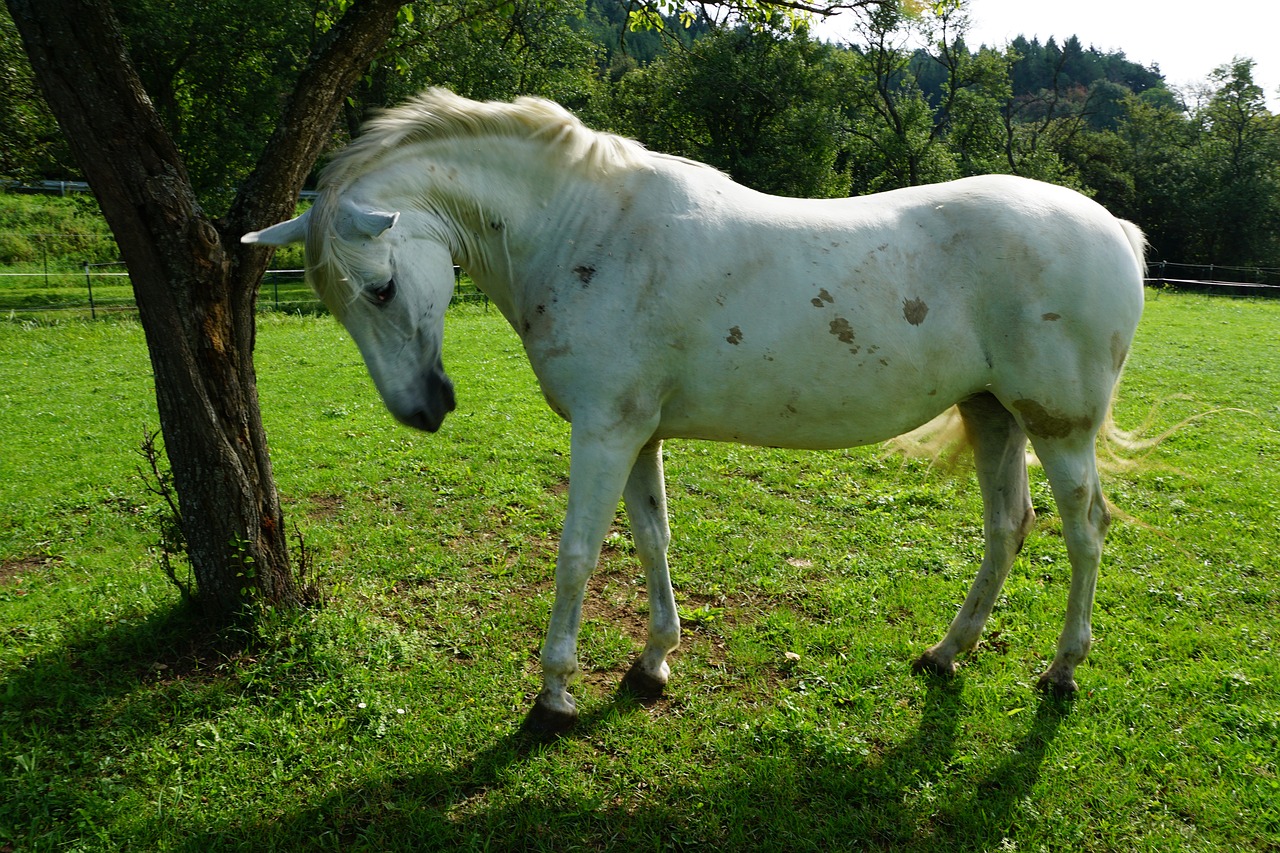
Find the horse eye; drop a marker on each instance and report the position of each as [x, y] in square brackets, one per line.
[383, 294]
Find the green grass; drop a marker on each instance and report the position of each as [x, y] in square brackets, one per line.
[390, 717]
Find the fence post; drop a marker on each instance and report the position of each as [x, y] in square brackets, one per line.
[88, 280]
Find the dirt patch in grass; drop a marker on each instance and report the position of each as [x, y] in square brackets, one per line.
[324, 507]
[12, 571]
[615, 598]
[201, 658]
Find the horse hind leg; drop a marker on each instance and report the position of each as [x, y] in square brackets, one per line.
[1071, 467]
[646, 504]
[999, 450]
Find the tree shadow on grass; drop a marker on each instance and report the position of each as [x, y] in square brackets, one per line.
[69, 681]
[785, 790]
[102, 685]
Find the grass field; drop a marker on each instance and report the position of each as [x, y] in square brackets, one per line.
[389, 718]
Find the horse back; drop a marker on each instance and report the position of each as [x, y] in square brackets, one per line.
[840, 322]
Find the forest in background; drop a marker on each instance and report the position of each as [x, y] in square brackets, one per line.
[906, 102]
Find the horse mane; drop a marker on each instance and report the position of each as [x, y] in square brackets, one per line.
[439, 114]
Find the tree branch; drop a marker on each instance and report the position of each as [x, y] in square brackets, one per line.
[344, 54]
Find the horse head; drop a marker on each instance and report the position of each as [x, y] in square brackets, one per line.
[388, 284]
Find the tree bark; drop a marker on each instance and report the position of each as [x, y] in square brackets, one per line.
[196, 286]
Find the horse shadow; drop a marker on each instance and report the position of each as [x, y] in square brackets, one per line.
[862, 800]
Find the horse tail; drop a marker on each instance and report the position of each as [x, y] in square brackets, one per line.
[1137, 242]
[943, 441]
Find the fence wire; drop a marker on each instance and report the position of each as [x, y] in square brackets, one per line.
[81, 274]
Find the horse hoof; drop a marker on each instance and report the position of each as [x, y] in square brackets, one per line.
[643, 684]
[930, 664]
[1057, 685]
[545, 720]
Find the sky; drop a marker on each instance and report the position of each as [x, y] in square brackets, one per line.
[1186, 39]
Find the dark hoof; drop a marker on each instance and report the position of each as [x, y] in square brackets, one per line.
[1057, 686]
[548, 722]
[642, 684]
[930, 664]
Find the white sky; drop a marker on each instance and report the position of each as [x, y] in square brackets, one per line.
[1186, 39]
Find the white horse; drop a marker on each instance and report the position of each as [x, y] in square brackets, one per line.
[658, 299]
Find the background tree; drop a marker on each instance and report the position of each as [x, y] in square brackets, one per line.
[964, 87]
[1206, 180]
[760, 105]
[894, 138]
[1238, 166]
[31, 146]
[928, 114]
[487, 50]
[216, 74]
[1160, 143]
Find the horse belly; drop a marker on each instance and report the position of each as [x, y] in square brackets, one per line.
[774, 399]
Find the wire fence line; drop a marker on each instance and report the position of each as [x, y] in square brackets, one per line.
[70, 273]
[40, 276]
[1215, 278]
[95, 291]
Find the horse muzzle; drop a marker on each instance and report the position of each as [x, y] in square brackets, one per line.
[436, 401]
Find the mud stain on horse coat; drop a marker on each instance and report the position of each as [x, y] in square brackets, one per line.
[914, 311]
[1043, 422]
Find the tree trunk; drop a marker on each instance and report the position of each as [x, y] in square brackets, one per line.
[196, 286]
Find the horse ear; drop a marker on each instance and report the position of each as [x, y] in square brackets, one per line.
[282, 234]
[371, 223]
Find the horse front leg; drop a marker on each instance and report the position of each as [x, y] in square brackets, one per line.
[646, 502]
[598, 468]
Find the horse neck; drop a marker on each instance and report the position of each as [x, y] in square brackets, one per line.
[495, 206]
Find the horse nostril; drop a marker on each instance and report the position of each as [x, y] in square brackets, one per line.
[450, 401]
[439, 389]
